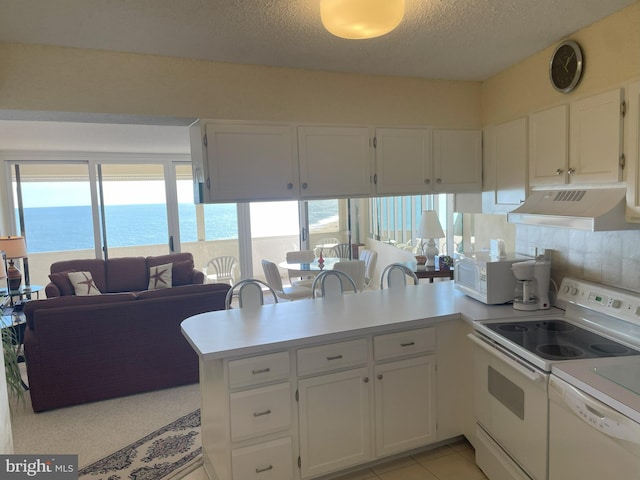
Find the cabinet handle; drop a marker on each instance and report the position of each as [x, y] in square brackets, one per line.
[427, 181]
[261, 414]
[335, 357]
[289, 186]
[365, 379]
[264, 469]
[407, 344]
[379, 376]
[262, 370]
[438, 180]
[559, 171]
[571, 171]
[304, 185]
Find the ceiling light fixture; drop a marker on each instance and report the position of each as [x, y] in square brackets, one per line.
[359, 19]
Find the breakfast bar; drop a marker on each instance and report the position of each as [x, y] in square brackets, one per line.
[310, 388]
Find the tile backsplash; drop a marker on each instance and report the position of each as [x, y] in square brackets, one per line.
[611, 258]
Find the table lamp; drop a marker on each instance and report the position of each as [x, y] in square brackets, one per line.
[14, 247]
[3, 274]
[430, 228]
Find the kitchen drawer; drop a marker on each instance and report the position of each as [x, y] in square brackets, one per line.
[400, 344]
[332, 357]
[257, 370]
[265, 461]
[260, 410]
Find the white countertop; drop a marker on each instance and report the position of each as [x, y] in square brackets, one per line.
[235, 332]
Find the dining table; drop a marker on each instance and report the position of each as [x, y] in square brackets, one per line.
[312, 267]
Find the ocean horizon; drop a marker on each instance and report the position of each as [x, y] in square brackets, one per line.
[51, 229]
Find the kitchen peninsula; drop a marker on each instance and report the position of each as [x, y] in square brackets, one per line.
[307, 388]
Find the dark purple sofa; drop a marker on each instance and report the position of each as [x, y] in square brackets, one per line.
[125, 341]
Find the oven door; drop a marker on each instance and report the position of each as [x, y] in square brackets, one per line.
[510, 404]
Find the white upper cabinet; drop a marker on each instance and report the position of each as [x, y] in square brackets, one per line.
[595, 140]
[425, 160]
[505, 166]
[457, 161]
[403, 160]
[334, 161]
[549, 146]
[632, 149]
[242, 162]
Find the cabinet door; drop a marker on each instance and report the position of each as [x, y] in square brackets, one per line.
[632, 149]
[250, 162]
[403, 161]
[405, 404]
[549, 146]
[457, 161]
[334, 162]
[596, 139]
[506, 149]
[334, 415]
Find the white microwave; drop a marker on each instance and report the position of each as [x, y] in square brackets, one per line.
[486, 278]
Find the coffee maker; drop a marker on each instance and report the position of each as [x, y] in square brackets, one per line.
[532, 290]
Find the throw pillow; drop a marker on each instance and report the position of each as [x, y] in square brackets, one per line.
[83, 283]
[61, 280]
[160, 276]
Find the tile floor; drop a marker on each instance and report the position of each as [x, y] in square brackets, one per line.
[451, 462]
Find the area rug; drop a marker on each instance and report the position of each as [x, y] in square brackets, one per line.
[164, 454]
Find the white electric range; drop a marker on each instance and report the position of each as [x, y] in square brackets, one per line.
[513, 365]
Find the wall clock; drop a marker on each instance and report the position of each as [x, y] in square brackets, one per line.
[565, 66]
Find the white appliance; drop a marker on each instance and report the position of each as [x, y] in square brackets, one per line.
[513, 361]
[533, 277]
[486, 277]
[588, 438]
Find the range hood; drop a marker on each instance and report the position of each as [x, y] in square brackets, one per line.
[592, 209]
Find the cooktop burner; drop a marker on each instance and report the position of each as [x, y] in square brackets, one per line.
[559, 340]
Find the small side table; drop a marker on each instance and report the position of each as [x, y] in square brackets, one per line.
[24, 291]
[14, 324]
[435, 272]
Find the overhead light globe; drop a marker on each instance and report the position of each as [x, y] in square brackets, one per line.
[359, 19]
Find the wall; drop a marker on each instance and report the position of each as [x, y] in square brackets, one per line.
[611, 49]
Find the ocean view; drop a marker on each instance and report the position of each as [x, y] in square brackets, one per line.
[51, 229]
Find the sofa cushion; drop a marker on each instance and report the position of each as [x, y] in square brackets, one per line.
[93, 265]
[30, 308]
[182, 273]
[184, 290]
[160, 277]
[170, 258]
[127, 274]
[83, 283]
[61, 280]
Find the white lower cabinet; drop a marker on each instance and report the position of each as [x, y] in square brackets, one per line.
[405, 404]
[266, 461]
[334, 421]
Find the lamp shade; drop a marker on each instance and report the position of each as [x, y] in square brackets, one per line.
[14, 247]
[429, 226]
[360, 19]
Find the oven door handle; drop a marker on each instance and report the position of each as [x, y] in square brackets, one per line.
[513, 361]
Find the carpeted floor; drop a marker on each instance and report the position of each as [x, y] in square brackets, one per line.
[171, 451]
[96, 430]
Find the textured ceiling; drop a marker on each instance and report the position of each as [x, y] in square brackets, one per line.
[438, 39]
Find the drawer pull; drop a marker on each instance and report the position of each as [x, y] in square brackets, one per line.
[408, 344]
[264, 469]
[335, 357]
[260, 414]
[262, 370]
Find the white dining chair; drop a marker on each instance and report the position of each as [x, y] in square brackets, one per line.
[396, 275]
[331, 284]
[250, 293]
[299, 277]
[355, 269]
[294, 292]
[342, 250]
[370, 258]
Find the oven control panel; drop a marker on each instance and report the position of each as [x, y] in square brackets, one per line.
[618, 303]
